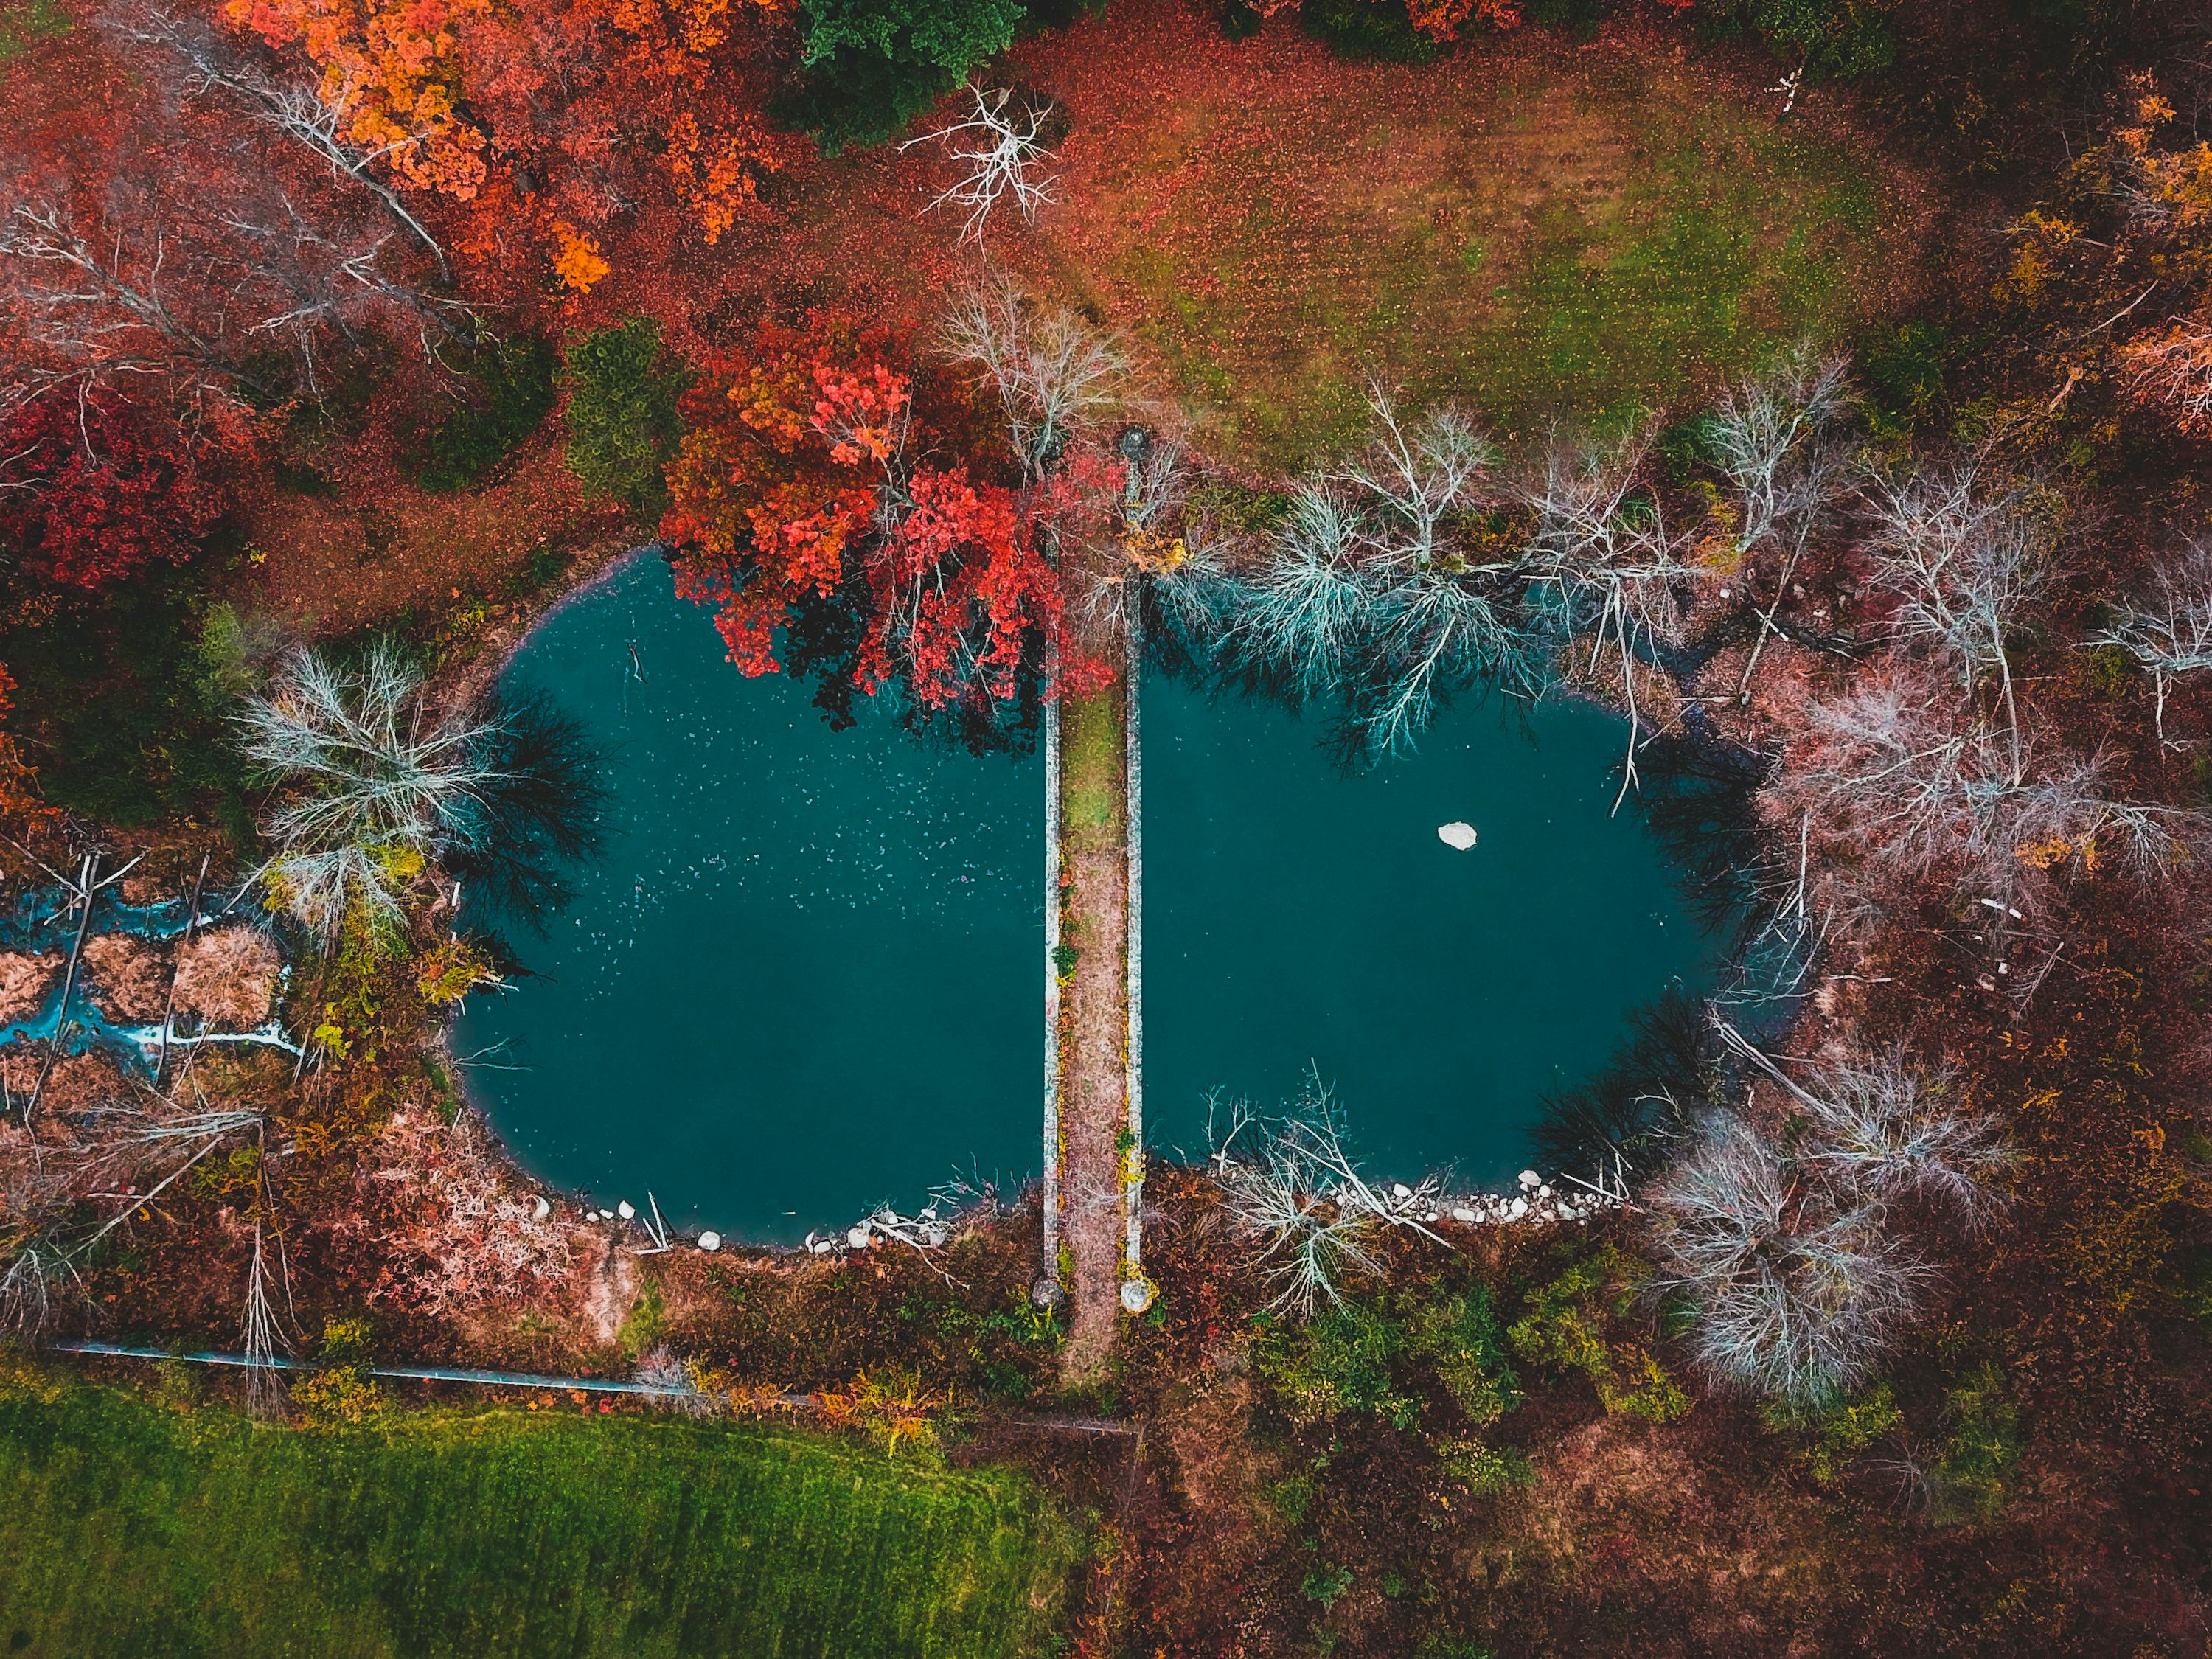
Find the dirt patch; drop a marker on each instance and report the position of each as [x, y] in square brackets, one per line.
[614, 1289]
[228, 977]
[127, 976]
[26, 981]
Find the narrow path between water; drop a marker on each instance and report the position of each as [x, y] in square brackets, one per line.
[1097, 1149]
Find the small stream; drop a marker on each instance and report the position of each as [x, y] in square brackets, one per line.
[804, 978]
[46, 920]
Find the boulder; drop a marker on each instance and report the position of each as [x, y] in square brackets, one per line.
[1458, 835]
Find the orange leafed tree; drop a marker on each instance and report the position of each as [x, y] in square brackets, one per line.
[538, 124]
[1443, 20]
[390, 70]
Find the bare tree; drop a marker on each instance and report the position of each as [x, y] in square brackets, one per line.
[1296, 1189]
[1963, 560]
[1602, 551]
[1884, 1126]
[1798, 1287]
[377, 774]
[311, 118]
[1001, 153]
[98, 297]
[1305, 607]
[2174, 367]
[1904, 780]
[2167, 628]
[1789, 1246]
[260, 1323]
[1413, 475]
[39, 1271]
[180, 285]
[1781, 440]
[1051, 370]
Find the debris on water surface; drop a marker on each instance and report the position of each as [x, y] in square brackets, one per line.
[1458, 834]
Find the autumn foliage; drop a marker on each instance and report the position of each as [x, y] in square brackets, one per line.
[1442, 20]
[814, 473]
[93, 491]
[540, 124]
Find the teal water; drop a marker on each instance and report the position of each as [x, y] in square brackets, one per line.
[805, 976]
[1302, 921]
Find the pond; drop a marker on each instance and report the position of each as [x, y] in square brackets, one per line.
[806, 975]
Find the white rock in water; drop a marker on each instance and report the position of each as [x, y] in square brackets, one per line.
[1518, 1208]
[857, 1237]
[821, 1246]
[710, 1241]
[542, 1208]
[1401, 1190]
[1465, 1214]
[1458, 835]
[626, 1209]
[1544, 1190]
[1530, 1178]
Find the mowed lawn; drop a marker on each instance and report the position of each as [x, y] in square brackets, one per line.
[128, 1528]
[1535, 227]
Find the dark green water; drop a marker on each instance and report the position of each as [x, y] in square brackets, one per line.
[806, 976]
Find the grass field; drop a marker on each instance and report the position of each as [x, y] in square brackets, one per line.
[1536, 231]
[24, 23]
[131, 1530]
[1092, 742]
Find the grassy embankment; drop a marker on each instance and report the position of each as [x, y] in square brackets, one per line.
[131, 1528]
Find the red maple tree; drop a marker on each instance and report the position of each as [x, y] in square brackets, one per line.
[93, 490]
[810, 474]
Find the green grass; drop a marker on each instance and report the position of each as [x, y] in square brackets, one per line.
[1090, 756]
[24, 23]
[1530, 238]
[131, 1530]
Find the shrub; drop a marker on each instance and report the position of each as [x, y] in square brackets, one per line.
[507, 391]
[1838, 1430]
[645, 1323]
[623, 386]
[342, 1391]
[1484, 1470]
[1981, 1449]
[874, 65]
[1839, 39]
[1568, 1324]
[1361, 28]
[1341, 1362]
[1370, 1357]
[1325, 1585]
